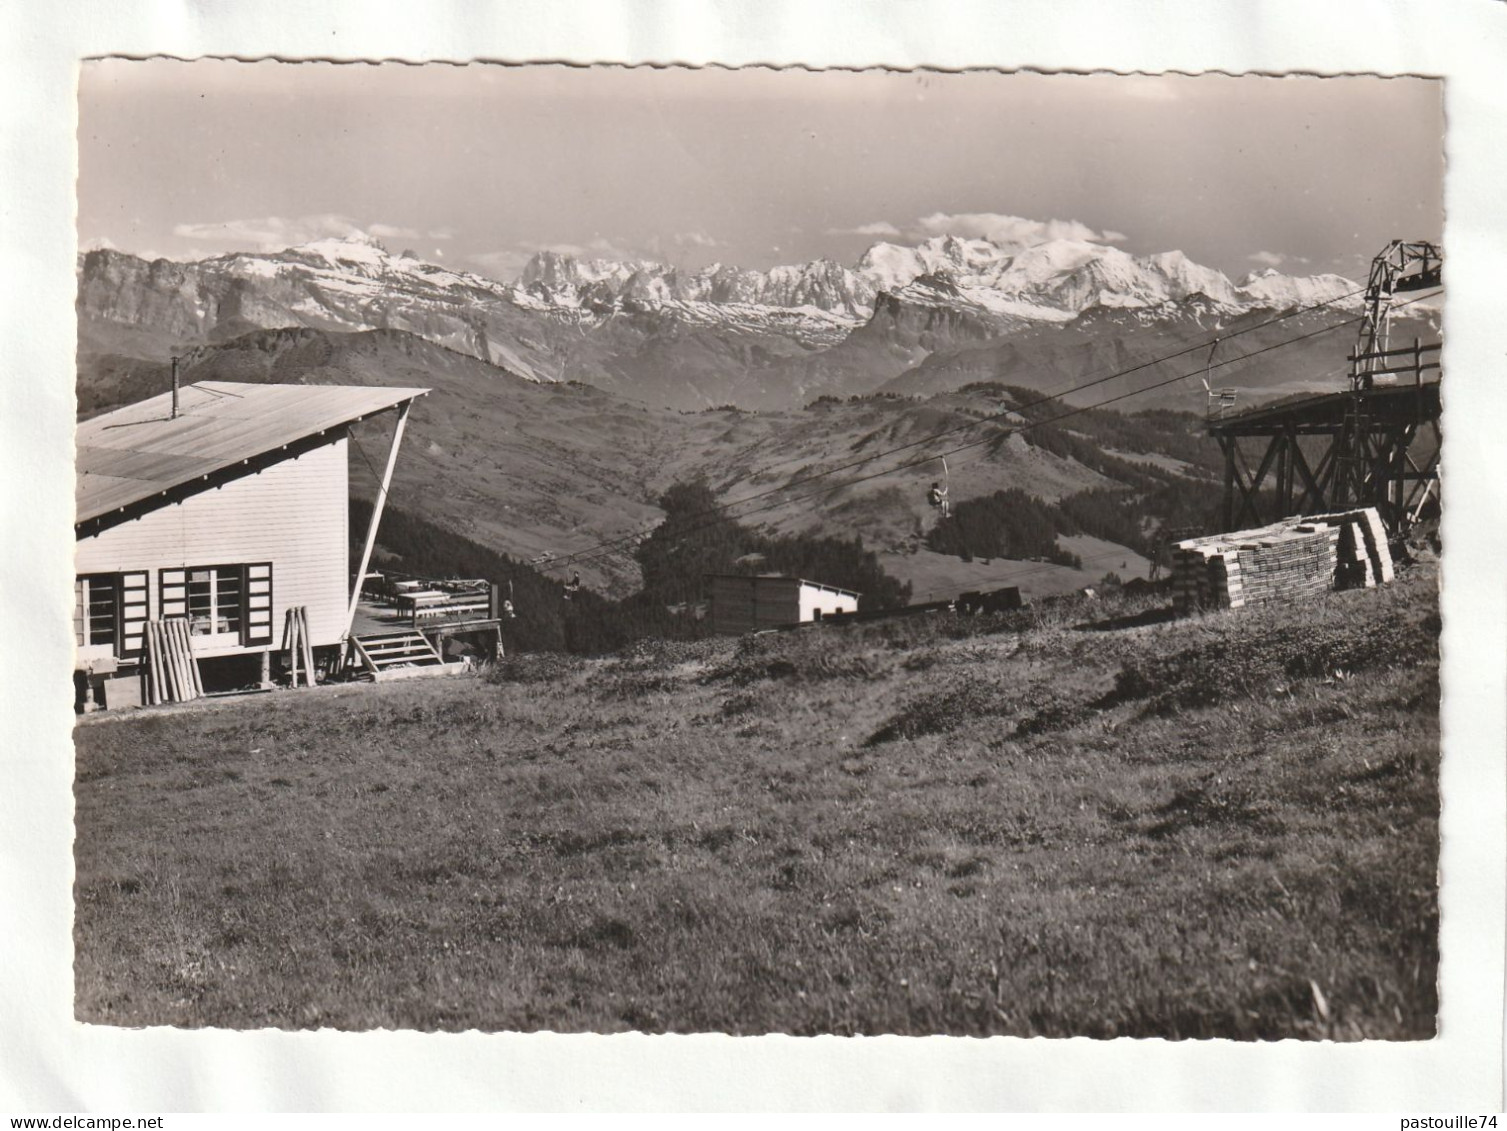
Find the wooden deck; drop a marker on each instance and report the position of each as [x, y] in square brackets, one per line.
[1327, 413]
[465, 614]
[377, 616]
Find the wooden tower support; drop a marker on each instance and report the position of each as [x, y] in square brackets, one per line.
[1369, 447]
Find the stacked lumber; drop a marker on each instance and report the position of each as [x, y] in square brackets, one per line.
[1354, 569]
[1288, 561]
[1365, 558]
[1292, 564]
[171, 670]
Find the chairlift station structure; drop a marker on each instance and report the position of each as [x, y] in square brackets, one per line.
[1374, 445]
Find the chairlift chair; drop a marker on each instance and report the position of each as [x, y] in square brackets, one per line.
[1219, 401]
[936, 497]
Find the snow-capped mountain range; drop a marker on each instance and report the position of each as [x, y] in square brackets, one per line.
[1049, 282]
[688, 338]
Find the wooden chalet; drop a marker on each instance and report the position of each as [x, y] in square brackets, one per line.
[213, 534]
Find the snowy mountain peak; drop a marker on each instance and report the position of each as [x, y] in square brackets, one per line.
[1050, 281]
[565, 282]
[1271, 288]
[357, 248]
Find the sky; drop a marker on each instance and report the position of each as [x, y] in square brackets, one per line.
[480, 166]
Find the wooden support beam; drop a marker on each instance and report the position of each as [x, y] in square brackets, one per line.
[1312, 500]
[1414, 350]
[1228, 444]
[1250, 498]
[1324, 473]
[1398, 470]
[1284, 473]
[1423, 485]
[377, 506]
[1418, 367]
[1248, 514]
[1241, 481]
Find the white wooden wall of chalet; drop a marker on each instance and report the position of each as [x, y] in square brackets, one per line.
[293, 514]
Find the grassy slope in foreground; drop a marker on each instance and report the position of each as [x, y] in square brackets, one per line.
[964, 826]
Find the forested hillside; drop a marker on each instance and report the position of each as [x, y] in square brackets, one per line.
[1163, 470]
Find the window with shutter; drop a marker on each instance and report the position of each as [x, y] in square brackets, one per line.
[96, 606]
[226, 601]
[256, 624]
[172, 593]
[133, 613]
[109, 612]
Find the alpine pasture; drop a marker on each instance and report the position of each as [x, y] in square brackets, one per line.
[1091, 820]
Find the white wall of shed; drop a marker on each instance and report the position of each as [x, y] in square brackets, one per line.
[294, 514]
[825, 601]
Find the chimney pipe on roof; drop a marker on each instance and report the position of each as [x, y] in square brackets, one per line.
[175, 390]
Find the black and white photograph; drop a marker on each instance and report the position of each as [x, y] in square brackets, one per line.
[756, 550]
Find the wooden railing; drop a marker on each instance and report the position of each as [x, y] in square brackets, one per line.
[1363, 371]
[424, 600]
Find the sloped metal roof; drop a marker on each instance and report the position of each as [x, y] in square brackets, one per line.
[135, 453]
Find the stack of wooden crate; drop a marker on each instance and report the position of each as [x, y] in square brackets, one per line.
[1291, 560]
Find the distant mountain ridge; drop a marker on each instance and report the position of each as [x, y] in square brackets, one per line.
[1051, 282]
[684, 339]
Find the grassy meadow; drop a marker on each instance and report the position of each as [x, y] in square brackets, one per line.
[1093, 821]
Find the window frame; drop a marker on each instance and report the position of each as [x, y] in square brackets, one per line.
[226, 590]
[126, 615]
[84, 616]
[247, 613]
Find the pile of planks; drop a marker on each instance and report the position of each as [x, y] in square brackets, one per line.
[171, 670]
[1291, 560]
[296, 644]
[1365, 559]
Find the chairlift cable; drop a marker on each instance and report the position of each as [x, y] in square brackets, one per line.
[1046, 398]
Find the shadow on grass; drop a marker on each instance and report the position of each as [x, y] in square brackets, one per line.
[1165, 615]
